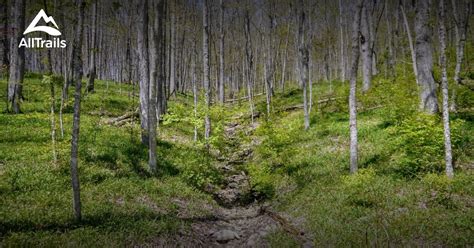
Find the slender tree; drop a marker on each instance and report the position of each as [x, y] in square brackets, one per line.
[461, 22]
[143, 60]
[444, 88]
[365, 41]
[353, 87]
[17, 59]
[221, 53]
[304, 61]
[77, 71]
[410, 42]
[93, 48]
[206, 74]
[249, 65]
[341, 43]
[4, 11]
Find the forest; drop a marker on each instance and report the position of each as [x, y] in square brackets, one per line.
[236, 123]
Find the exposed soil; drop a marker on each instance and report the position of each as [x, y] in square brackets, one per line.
[241, 218]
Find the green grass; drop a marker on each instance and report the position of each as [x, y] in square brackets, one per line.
[306, 174]
[302, 173]
[122, 202]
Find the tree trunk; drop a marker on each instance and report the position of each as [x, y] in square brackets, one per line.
[365, 42]
[341, 40]
[249, 55]
[304, 60]
[206, 75]
[92, 49]
[444, 86]
[353, 87]
[155, 67]
[424, 58]
[144, 69]
[221, 54]
[461, 24]
[410, 42]
[195, 90]
[77, 78]
[172, 86]
[4, 11]
[17, 57]
[389, 62]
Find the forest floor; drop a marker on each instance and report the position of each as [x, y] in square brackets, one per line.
[240, 218]
[270, 183]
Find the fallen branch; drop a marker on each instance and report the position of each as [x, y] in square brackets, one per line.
[242, 98]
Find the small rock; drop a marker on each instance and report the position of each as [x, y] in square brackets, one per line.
[225, 236]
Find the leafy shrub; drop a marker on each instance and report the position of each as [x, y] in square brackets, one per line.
[276, 149]
[439, 189]
[364, 188]
[420, 143]
[262, 181]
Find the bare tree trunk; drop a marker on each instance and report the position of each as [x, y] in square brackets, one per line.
[77, 78]
[155, 67]
[4, 11]
[444, 86]
[285, 58]
[304, 60]
[353, 87]
[249, 55]
[206, 75]
[366, 50]
[172, 54]
[410, 42]
[195, 90]
[390, 62]
[424, 58]
[17, 56]
[144, 69]
[93, 49]
[341, 39]
[461, 24]
[310, 76]
[221, 54]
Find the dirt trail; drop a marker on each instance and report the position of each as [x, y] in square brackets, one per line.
[240, 219]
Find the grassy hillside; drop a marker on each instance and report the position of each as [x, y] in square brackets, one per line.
[400, 196]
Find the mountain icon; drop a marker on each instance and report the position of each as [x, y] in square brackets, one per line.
[50, 30]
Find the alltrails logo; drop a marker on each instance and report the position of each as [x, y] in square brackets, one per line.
[40, 42]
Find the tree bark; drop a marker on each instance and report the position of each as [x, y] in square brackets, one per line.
[77, 72]
[206, 75]
[424, 58]
[17, 56]
[410, 42]
[353, 87]
[93, 49]
[155, 67]
[4, 11]
[365, 41]
[304, 61]
[249, 56]
[144, 69]
[341, 45]
[461, 24]
[390, 61]
[221, 54]
[444, 86]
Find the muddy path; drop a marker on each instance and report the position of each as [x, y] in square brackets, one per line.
[240, 218]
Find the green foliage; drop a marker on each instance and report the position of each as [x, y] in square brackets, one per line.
[364, 189]
[439, 190]
[262, 181]
[420, 143]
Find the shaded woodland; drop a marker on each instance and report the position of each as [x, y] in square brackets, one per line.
[265, 123]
